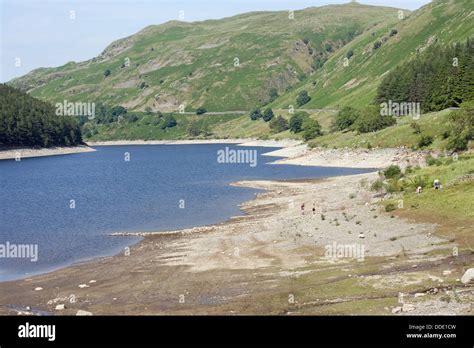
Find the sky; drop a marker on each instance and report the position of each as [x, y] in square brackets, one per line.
[49, 33]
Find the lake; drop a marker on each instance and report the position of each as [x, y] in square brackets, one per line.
[67, 206]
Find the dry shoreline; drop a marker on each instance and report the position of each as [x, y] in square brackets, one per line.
[253, 264]
[23, 152]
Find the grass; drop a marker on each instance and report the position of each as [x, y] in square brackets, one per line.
[401, 134]
[452, 207]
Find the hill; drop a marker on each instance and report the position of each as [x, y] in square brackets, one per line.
[379, 50]
[228, 64]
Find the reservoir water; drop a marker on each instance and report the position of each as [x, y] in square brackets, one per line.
[68, 205]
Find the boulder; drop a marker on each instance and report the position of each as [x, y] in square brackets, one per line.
[468, 276]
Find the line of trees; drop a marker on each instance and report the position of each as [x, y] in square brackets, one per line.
[439, 78]
[27, 121]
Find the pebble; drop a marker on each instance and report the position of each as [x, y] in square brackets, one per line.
[60, 307]
[81, 312]
[83, 286]
[38, 288]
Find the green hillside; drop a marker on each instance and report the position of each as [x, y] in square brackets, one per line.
[195, 64]
[334, 85]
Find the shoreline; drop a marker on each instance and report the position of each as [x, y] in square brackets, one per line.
[26, 152]
[227, 268]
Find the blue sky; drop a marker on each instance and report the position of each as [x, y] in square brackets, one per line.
[42, 33]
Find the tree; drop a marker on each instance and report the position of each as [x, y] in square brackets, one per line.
[346, 118]
[296, 121]
[312, 129]
[349, 54]
[200, 111]
[168, 122]
[195, 128]
[370, 120]
[279, 124]
[267, 115]
[255, 114]
[377, 45]
[107, 72]
[273, 94]
[27, 121]
[303, 98]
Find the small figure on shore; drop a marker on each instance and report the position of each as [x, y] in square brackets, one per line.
[302, 209]
[436, 184]
[314, 208]
[419, 189]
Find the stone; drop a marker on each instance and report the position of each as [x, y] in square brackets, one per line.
[60, 307]
[81, 312]
[82, 286]
[468, 276]
[38, 288]
[407, 307]
[396, 310]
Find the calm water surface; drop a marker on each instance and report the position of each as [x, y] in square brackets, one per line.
[114, 195]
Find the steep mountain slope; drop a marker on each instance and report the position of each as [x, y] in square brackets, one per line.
[229, 64]
[355, 83]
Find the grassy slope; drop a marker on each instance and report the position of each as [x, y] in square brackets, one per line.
[336, 85]
[193, 63]
[453, 206]
[401, 134]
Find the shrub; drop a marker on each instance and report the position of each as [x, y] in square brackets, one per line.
[416, 127]
[349, 54]
[303, 98]
[346, 118]
[393, 171]
[107, 72]
[255, 114]
[296, 122]
[393, 32]
[311, 129]
[131, 118]
[390, 207]
[267, 115]
[377, 45]
[194, 128]
[200, 111]
[371, 121]
[425, 140]
[279, 124]
[168, 122]
[457, 143]
[377, 185]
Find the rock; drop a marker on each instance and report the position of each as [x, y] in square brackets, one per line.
[396, 310]
[419, 294]
[60, 307]
[28, 308]
[81, 312]
[361, 236]
[468, 276]
[447, 272]
[82, 286]
[92, 281]
[407, 307]
[38, 288]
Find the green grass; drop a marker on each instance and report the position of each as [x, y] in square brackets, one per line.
[193, 63]
[401, 134]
